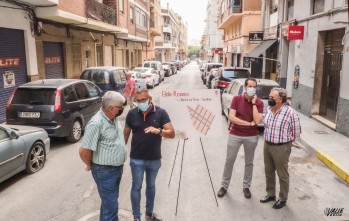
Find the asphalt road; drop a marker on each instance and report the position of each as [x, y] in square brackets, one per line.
[64, 191]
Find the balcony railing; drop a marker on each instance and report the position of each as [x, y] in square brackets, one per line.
[100, 12]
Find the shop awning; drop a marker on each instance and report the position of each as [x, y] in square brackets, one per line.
[260, 49]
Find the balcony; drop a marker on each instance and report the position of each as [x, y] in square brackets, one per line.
[237, 11]
[40, 2]
[93, 15]
[100, 12]
[167, 29]
[155, 28]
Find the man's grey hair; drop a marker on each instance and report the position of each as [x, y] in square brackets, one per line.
[141, 90]
[112, 98]
[282, 93]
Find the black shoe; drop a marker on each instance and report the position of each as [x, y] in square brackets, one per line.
[222, 191]
[153, 216]
[247, 193]
[279, 204]
[267, 198]
[137, 219]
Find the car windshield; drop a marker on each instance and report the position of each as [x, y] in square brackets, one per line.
[213, 66]
[141, 70]
[99, 77]
[263, 91]
[30, 96]
[235, 73]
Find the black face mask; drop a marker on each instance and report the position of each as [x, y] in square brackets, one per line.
[120, 112]
[271, 102]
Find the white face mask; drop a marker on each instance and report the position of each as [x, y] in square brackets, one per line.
[144, 106]
[251, 91]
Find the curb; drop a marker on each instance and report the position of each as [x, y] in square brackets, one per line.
[328, 161]
[333, 165]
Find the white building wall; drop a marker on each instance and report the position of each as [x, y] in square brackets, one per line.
[18, 19]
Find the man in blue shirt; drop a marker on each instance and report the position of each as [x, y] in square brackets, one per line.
[103, 150]
[148, 123]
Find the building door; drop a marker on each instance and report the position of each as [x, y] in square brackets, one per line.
[108, 55]
[119, 58]
[99, 55]
[76, 59]
[127, 58]
[13, 66]
[54, 60]
[331, 74]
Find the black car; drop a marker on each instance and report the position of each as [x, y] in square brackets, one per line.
[171, 65]
[226, 74]
[62, 107]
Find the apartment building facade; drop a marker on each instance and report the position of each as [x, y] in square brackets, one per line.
[239, 19]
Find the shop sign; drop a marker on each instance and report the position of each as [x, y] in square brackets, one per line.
[255, 37]
[9, 62]
[9, 79]
[270, 33]
[52, 60]
[295, 32]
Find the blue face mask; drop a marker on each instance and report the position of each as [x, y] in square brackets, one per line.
[144, 106]
[251, 91]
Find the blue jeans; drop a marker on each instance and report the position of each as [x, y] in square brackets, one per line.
[108, 180]
[138, 167]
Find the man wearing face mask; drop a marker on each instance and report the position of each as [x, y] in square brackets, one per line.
[148, 123]
[282, 127]
[103, 150]
[245, 114]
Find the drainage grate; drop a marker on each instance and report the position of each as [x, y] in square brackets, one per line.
[320, 132]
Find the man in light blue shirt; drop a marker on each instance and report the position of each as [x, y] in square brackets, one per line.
[103, 150]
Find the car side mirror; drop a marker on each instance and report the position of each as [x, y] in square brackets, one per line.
[13, 135]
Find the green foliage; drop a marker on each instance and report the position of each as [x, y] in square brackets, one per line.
[193, 51]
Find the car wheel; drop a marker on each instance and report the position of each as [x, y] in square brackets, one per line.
[153, 85]
[36, 158]
[223, 111]
[75, 132]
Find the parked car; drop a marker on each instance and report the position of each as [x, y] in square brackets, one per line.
[236, 87]
[210, 76]
[157, 67]
[207, 69]
[178, 64]
[22, 148]
[167, 69]
[106, 78]
[62, 107]
[172, 65]
[226, 74]
[150, 75]
[141, 81]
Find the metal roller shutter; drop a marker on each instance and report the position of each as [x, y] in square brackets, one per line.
[54, 60]
[12, 60]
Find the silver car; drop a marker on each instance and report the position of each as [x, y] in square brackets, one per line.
[236, 87]
[22, 148]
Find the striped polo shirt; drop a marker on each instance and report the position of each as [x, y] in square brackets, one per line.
[106, 139]
[282, 126]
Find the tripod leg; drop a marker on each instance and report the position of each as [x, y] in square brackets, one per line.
[208, 170]
[180, 177]
[174, 161]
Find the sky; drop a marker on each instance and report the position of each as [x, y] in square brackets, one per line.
[193, 12]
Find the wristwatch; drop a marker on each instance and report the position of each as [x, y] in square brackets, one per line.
[160, 131]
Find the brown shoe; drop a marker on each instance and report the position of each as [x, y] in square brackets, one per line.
[222, 191]
[247, 193]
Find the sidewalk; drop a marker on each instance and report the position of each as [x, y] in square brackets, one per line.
[329, 146]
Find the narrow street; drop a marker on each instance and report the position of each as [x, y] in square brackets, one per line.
[63, 191]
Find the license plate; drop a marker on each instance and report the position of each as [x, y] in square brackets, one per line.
[29, 114]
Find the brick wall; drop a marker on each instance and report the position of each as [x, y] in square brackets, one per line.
[76, 7]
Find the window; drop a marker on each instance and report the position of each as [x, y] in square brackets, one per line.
[69, 94]
[274, 6]
[43, 96]
[318, 6]
[3, 134]
[121, 6]
[144, 20]
[138, 16]
[92, 90]
[81, 91]
[131, 15]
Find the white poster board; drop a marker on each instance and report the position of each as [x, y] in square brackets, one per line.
[9, 79]
[193, 113]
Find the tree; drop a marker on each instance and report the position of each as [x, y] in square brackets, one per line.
[193, 50]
